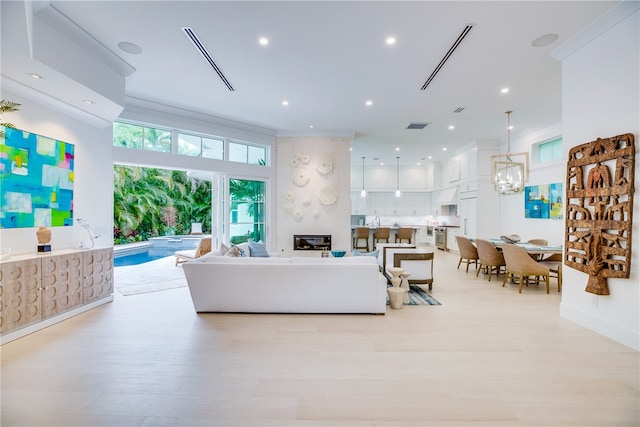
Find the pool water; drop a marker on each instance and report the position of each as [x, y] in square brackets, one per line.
[142, 257]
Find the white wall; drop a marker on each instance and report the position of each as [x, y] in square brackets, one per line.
[512, 219]
[93, 186]
[299, 210]
[600, 90]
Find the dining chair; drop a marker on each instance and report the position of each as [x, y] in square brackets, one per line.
[520, 264]
[489, 258]
[404, 233]
[538, 242]
[381, 233]
[361, 233]
[554, 263]
[468, 252]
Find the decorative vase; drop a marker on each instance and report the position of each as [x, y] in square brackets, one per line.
[44, 235]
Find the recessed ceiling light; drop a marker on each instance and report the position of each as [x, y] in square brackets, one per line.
[451, 127]
[263, 41]
[391, 40]
[88, 101]
[418, 164]
[429, 157]
[545, 40]
[381, 163]
[310, 126]
[369, 103]
[285, 102]
[130, 48]
[35, 76]
[444, 148]
[504, 90]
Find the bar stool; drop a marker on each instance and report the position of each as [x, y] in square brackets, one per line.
[381, 233]
[361, 233]
[404, 234]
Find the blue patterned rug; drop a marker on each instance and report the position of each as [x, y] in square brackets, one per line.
[418, 296]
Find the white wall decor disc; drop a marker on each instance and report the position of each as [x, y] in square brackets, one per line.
[303, 158]
[301, 178]
[328, 195]
[325, 166]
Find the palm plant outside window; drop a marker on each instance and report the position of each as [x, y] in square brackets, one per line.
[246, 210]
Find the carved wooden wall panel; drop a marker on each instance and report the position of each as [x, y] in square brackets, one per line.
[600, 186]
[21, 294]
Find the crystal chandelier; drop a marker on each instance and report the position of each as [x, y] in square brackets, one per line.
[510, 175]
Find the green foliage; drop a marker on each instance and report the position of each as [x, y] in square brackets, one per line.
[150, 202]
[7, 107]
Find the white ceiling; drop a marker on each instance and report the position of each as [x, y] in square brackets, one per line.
[328, 58]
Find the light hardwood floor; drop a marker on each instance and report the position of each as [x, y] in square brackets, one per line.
[487, 356]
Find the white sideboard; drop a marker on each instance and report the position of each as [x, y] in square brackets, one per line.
[38, 290]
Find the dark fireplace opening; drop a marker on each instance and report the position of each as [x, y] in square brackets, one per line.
[311, 242]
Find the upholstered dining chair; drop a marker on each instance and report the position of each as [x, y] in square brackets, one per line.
[204, 247]
[468, 252]
[520, 264]
[489, 258]
[381, 233]
[361, 233]
[404, 233]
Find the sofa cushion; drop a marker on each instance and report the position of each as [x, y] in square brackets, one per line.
[233, 251]
[258, 249]
[372, 253]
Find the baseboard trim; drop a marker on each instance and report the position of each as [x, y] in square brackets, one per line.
[610, 330]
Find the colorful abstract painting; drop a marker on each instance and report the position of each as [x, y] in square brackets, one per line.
[36, 180]
[543, 201]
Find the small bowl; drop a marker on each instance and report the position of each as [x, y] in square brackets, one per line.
[338, 254]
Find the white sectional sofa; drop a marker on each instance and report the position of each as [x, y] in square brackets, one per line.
[286, 285]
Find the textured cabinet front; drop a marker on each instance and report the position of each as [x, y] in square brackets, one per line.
[36, 289]
[21, 290]
[63, 284]
[98, 274]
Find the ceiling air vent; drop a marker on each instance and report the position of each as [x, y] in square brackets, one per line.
[447, 55]
[458, 110]
[417, 125]
[206, 55]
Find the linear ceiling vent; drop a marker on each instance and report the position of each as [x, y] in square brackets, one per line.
[417, 125]
[446, 57]
[458, 110]
[205, 54]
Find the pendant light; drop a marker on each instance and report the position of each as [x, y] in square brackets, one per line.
[509, 175]
[398, 193]
[363, 193]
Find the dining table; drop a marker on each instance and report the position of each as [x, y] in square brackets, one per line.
[529, 247]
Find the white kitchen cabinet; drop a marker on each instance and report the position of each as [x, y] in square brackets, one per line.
[452, 243]
[358, 203]
[467, 211]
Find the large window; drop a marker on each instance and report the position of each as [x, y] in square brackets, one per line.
[548, 151]
[188, 144]
[246, 210]
[200, 146]
[244, 153]
[141, 138]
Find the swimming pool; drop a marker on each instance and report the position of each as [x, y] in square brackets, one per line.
[142, 256]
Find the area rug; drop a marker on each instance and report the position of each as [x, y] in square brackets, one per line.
[418, 296]
[153, 276]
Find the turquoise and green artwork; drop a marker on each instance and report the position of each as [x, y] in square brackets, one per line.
[36, 180]
[543, 201]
